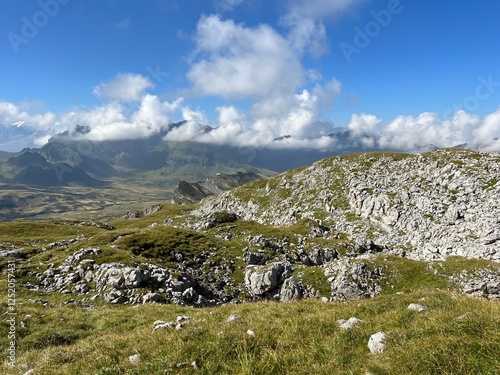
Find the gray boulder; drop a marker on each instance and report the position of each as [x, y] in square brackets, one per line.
[291, 290]
[260, 280]
[353, 279]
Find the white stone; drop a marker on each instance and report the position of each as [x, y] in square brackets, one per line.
[349, 323]
[135, 359]
[416, 307]
[234, 317]
[377, 342]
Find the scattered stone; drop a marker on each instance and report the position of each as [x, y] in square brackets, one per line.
[233, 317]
[135, 359]
[377, 342]
[182, 318]
[194, 365]
[349, 323]
[251, 333]
[15, 253]
[29, 372]
[164, 325]
[416, 307]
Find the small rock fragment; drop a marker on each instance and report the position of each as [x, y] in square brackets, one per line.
[135, 359]
[251, 333]
[416, 307]
[163, 326]
[377, 342]
[194, 365]
[182, 318]
[349, 323]
[234, 317]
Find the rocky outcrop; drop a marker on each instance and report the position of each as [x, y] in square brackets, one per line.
[120, 283]
[291, 290]
[262, 280]
[352, 279]
[192, 192]
[138, 214]
[425, 206]
[482, 283]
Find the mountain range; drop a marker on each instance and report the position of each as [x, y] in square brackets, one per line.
[73, 176]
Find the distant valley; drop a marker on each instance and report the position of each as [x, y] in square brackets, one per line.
[100, 180]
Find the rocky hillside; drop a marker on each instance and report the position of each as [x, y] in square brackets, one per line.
[346, 228]
[400, 240]
[425, 206]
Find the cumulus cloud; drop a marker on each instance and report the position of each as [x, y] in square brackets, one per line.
[112, 121]
[297, 119]
[11, 114]
[235, 61]
[125, 87]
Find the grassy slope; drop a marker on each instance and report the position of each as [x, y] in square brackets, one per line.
[300, 337]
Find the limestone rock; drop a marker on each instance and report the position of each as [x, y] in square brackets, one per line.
[349, 323]
[260, 280]
[233, 317]
[135, 359]
[291, 290]
[416, 307]
[377, 342]
[353, 279]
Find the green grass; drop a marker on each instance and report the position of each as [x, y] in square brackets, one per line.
[490, 184]
[315, 277]
[300, 338]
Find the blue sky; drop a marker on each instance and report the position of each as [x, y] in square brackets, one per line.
[398, 74]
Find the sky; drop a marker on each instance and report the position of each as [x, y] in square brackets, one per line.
[397, 74]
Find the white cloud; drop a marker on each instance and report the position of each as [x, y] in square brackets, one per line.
[408, 133]
[11, 114]
[235, 61]
[305, 22]
[293, 115]
[227, 5]
[125, 87]
[111, 122]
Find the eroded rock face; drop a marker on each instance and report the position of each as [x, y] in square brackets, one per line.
[352, 279]
[427, 207]
[482, 283]
[260, 280]
[119, 283]
[291, 290]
